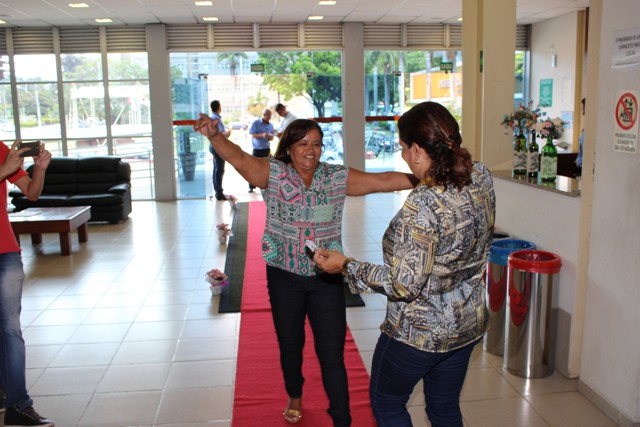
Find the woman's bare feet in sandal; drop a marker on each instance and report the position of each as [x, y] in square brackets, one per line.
[293, 413]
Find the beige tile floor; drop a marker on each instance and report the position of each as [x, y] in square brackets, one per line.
[125, 332]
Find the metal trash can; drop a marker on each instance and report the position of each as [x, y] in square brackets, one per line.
[529, 341]
[496, 291]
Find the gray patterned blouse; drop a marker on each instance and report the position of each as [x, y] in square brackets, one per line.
[435, 254]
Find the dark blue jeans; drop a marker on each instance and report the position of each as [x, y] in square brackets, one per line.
[396, 369]
[321, 299]
[218, 173]
[12, 349]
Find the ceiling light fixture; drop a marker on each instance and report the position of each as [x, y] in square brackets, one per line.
[78, 5]
[460, 19]
[2, 22]
[103, 20]
[204, 3]
[210, 18]
[315, 18]
[327, 2]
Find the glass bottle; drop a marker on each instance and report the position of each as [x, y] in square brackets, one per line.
[520, 154]
[549, 161]
[533, 157]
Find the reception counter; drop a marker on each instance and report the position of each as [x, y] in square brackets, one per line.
[562, 184]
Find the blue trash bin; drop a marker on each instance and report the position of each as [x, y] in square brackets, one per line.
[496, 291]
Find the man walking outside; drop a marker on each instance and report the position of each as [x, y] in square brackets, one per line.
[218, 162]
[287, 118]
[261, 135]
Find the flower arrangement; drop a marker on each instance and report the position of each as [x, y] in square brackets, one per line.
[550, 127]
[232, 200]
[523, 117]
[217, 280]
[223, 232]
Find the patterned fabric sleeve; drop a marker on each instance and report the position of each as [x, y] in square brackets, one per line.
[410, 242]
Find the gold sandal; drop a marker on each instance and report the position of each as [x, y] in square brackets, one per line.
[292, 416]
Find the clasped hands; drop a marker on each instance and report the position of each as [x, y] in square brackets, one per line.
[329, 261]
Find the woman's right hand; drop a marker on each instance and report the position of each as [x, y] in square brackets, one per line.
[329, 261]
[205, 126]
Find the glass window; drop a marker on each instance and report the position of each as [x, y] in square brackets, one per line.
[394, 82]
[38, 112]
[7, 127]
[81, 67]
[36, 68]
[85, 110]
[128, 66]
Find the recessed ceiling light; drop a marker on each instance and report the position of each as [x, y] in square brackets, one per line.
[460, 19]
[2, 22]
[210, 18]
[327, 2]
[103, 20]
[204, 3]
[315, 18]
[77, 5]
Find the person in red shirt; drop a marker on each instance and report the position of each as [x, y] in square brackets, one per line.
[12, 349]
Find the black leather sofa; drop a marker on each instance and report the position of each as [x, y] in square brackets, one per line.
[104, 183]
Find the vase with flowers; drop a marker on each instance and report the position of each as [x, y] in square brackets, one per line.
[521, 121]
[217, 281]
[223, 232]
[550, 129]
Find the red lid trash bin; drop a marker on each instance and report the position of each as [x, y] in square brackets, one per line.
[529, 338]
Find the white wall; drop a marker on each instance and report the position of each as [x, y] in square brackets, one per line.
[556, 36]
[611, 350]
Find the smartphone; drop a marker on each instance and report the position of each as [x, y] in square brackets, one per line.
[310, 248]
[34, 148]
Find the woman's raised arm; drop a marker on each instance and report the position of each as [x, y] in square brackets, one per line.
[253, 169]
[360, 183]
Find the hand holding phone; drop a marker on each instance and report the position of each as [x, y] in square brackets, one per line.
[33, 148]
[310, 248]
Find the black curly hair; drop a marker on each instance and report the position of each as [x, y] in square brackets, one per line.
[432, 127]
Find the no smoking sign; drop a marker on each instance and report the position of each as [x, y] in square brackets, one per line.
[626, 122]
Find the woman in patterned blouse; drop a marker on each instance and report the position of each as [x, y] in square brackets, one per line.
[305, 200]
[435, 253]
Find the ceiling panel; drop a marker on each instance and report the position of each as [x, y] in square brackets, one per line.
[58, 13]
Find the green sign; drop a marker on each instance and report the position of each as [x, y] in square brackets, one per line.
[546, 92]
[257, 68]
[446, 66]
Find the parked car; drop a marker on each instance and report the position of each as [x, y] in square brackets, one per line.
[238, 125]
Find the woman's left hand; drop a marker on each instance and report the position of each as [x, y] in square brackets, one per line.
[329, 261]
[43, 158]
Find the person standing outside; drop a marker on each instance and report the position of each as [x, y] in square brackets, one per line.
[19, 404]
[287, 118]
[435, 254]
[261, 136]
[218, 162]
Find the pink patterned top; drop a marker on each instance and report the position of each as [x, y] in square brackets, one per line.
[296, 213]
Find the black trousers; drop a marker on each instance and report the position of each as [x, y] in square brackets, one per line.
[321, 299]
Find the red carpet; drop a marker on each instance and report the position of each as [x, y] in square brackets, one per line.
[260, 397]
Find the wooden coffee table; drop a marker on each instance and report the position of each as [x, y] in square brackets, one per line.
[63, 221]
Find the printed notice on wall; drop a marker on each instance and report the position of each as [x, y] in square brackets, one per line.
[625, 129]
[626, 50]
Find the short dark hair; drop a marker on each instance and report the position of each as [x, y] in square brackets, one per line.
[432, 127]
[279, 107]
[215, 106]
[296, 130]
